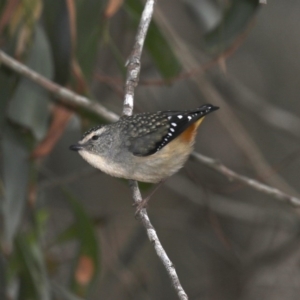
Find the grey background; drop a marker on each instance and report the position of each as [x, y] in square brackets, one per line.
[226, 240]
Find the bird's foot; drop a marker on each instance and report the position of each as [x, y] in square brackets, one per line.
[143, 204]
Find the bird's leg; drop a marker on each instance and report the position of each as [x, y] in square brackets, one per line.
[145, 201]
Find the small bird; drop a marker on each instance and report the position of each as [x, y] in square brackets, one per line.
[147, 147]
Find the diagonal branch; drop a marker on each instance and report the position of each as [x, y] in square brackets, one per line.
[256, 185]
[67, 96]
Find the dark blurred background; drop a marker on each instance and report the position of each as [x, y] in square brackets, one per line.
[68, 231]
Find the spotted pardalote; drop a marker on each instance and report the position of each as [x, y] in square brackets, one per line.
[147, 147]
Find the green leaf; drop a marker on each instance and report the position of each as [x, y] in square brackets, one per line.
[29, 105]
[67, 235]
[2, 277]
[33, 276]
[41, 217]
[57, 26]
[13, 267]
[15, 159]
[235, 19]
[88, 254]
[89, 29]
[7, 80]
[2, 5]
[159, 49]
[119, 59]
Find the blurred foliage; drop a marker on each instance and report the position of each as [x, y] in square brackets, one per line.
[86, 266]
[60, 40]
[236, 17]
[162, 54]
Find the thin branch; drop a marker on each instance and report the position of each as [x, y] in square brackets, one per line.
[72, 99]
[133, 71]
[64, 94]
[144, 219]
[134, 61]
[116, 82]
[132, 80]
[231, 175]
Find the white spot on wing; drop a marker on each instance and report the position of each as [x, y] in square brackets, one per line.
[179, 116]
[174, 124]
[189, 117]
[172, 129]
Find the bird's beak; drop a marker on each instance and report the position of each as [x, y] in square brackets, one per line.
[76, 147]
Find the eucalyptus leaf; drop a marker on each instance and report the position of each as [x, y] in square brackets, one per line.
[7, 80]
[29, 106]
[15, 158]
[234, 21]
[2, 277]
[2, 5]
[57, 26]
[89, 29]
[158, 47]
[67, 235]
[34, 278]
[89, 252]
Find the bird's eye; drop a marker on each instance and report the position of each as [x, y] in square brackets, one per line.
[95, 137]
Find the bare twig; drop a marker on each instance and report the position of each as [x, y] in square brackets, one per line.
[69, 97]
[133, 70]
[134, 61]
[64, 94]
[216, 165]
[116, 82]
[143, 217]
[72, 99]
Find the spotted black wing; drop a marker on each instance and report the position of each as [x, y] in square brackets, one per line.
[144, 131]
[155, 131]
